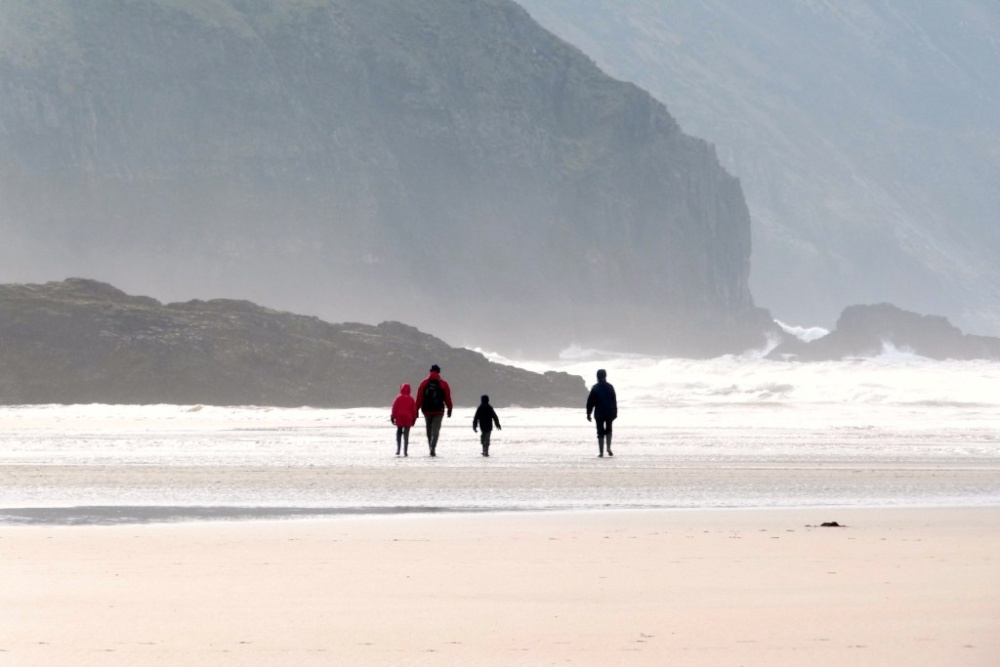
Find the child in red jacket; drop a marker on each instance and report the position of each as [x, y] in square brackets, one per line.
[404, 415]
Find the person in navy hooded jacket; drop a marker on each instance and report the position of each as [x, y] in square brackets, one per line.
[604, 404]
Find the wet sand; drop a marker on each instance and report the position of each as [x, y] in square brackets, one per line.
[679, 587]
[503, 482]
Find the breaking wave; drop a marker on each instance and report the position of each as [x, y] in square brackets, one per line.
[896, 376]
[807, 334]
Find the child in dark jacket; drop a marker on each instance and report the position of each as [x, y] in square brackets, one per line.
[484, 420]
[404, 416]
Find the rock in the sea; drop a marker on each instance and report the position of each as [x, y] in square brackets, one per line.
[867, 330]
[81, 341]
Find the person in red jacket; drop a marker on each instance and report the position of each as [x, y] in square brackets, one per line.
[434, 398]
[404, 416]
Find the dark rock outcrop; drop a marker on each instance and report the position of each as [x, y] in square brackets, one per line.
[81, 341]
[866, 330]
[449, 164]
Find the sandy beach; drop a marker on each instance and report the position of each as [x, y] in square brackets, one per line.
[681, 587]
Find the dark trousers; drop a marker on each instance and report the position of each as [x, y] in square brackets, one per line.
[433, 430]
[603, 433]
[403, 437]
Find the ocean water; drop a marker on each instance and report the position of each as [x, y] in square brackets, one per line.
[896, 430]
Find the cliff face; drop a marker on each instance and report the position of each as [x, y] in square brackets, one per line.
[80, 341]
[448, 164]
[865, 135]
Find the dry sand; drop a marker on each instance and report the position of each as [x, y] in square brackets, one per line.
[714, 587]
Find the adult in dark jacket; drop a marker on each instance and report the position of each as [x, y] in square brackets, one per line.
[434, 402]
[603, 403]
[485, 418]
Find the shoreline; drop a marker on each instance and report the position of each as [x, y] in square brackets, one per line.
[693, 587]
[127, 515]
[488, 485]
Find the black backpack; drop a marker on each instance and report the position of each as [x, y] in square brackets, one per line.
[433, 397]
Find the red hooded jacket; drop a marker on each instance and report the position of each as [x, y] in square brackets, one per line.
[404, 408]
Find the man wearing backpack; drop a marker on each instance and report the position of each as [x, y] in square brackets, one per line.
[434, 397]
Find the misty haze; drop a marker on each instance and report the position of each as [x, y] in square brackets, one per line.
[453, 166]
[319, 319]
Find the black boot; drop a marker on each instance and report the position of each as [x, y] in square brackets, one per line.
[608, 437]
[600, 445]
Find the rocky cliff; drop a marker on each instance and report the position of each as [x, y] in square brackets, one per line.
[81, 341]
[449, 164]
[865, 134]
